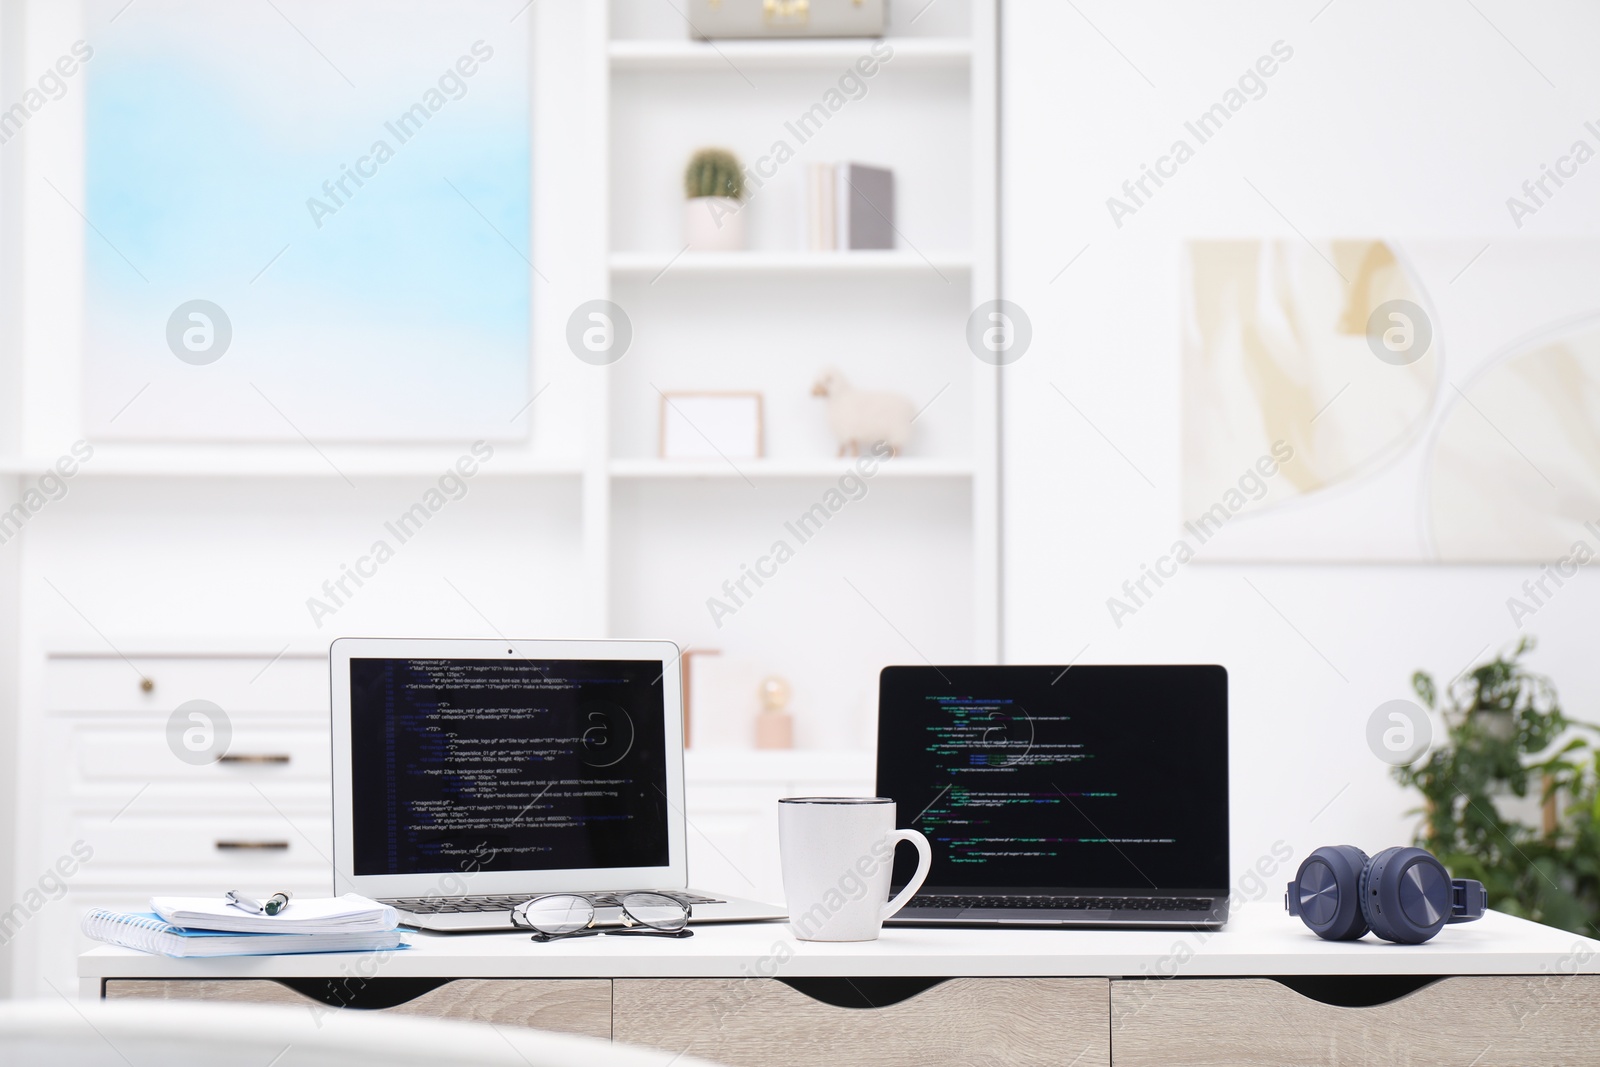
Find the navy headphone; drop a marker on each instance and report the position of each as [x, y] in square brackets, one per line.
[1402, 894]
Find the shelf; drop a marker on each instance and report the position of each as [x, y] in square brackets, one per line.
[289, 461]
[647, 54]
[191, 646]
[755, 469]
[650, 265]
[172, 461]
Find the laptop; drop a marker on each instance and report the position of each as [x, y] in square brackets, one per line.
[1060, 796]
[470, 776]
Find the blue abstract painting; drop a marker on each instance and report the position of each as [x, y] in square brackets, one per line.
[307, 220]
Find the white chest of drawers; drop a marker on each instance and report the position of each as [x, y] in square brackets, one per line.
[110, 812]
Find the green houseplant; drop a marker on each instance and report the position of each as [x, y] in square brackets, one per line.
[713, 220]
[1508, 737]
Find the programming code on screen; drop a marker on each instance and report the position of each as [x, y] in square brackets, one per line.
[1084, 783]
[997, 755]
[507, 765]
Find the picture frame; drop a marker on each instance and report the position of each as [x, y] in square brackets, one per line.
[712, 425]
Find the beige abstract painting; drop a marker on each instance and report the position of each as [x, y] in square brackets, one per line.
[1463, 427]
[1515, 471]
[1276, 348]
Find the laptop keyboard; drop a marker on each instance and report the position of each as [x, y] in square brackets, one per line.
[1039, 901]
[505, 902]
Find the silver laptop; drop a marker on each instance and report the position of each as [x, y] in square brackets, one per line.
[469, 776]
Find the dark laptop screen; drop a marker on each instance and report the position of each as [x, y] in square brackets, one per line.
[1097, 778]
[507, 765]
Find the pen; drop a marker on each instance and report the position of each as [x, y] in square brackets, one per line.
[244, 903]
[274, 904]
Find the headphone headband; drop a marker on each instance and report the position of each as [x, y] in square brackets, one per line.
[1468, 900]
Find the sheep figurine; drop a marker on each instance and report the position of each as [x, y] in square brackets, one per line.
[860, 419]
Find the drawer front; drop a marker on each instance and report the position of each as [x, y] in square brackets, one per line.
[564, 1006]
[1487, 1021]
[141, 846]
[1015, 1022]
[293, 684]
[232, 990]
[116, 754]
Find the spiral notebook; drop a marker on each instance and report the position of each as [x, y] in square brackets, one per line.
[147, 932]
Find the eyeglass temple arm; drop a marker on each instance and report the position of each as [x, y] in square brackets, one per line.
[647, 931]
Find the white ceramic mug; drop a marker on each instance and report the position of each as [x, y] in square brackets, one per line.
[838, 855]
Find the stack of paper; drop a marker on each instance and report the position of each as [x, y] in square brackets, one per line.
[321, 915]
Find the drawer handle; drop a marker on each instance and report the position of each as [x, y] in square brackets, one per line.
[253, 846]
[146, 685]
[1351, 991]
[861, 992]
[264, 758]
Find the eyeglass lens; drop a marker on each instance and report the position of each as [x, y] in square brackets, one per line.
[557, 914]
[656, 910]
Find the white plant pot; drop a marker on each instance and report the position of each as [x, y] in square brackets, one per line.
[713, 224]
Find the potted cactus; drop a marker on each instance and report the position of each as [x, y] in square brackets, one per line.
[714, 185]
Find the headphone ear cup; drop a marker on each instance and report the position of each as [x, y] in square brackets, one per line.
[1405, 895]
[1328, 885]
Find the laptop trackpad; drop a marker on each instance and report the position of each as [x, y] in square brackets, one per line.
[1035, 915]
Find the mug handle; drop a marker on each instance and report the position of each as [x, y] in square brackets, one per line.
[924, 863]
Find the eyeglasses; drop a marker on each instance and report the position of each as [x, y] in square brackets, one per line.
[558, 915]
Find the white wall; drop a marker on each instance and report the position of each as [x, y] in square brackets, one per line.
[1413, 120]
[10, 434]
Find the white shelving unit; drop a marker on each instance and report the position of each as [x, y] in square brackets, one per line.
[770, 318]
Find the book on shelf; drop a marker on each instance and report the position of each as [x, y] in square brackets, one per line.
[865, 208]
[849, 206]
[820, 186]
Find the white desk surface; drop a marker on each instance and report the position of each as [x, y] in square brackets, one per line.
[1260, 939]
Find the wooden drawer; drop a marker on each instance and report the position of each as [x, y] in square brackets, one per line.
[563, 1006]
[1486, 1021]
[756, 1022]
[291, 683]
